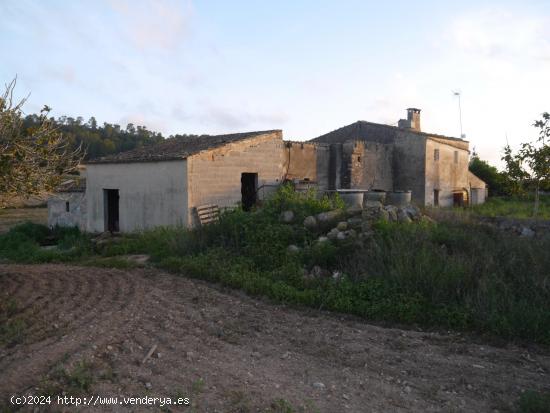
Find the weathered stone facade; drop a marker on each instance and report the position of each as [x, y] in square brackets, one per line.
[372, 156]
[214, 176]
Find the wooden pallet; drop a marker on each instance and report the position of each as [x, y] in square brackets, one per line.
[208, 213]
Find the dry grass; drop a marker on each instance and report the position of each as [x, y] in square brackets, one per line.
[10, 217]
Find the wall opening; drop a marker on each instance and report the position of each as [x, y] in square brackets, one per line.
[111, 211]
[249, 189]
[436, 197]
[67, 206]
[458, 199]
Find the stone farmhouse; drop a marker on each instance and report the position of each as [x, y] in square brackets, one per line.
[164, 184]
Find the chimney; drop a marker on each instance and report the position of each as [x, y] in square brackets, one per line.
[412, 121]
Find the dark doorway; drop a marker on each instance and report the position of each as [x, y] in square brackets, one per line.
[249, 185]
[458, 199]
[436, 197]
[110, 202]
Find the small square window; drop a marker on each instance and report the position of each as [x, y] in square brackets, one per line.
[436, 154]
[456, 156]
[67, 206]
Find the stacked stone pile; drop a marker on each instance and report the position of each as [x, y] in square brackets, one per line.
[357, 222]
[354, 223]
[351, 225]
[527, 228]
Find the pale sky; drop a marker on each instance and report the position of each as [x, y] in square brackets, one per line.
[307, 67]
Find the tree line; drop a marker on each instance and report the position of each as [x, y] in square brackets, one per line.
[94, 139]
[37, 150]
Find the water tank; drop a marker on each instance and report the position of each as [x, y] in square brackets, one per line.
[398, 198]
[351, 197]
[373, 197]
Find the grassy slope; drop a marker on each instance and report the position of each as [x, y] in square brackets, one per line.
[513, 207]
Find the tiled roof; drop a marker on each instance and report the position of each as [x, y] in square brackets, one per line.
[177, 148]
[375, 132]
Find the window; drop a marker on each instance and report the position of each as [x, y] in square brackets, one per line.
[67, 206]
[436, 197]
[436, 154]
[358, 159]
[456, 156]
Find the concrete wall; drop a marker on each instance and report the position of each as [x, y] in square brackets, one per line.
[300, 161]
[57, 210]
[151, 194]
[214, 176]
[307, 161]
[445, 174]
[322, 166]
[409, 165]
[376, 167]
[478, 189]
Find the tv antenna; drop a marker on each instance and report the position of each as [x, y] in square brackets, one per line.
[457, 94]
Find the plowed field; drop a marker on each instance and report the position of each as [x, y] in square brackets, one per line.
[231, 353]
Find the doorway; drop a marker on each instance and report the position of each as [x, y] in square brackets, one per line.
[249, 186]
[111, 212]
[436, 197]
[458, 199]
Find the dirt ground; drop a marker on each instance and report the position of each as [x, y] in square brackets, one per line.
[10, 217]
[231, 353]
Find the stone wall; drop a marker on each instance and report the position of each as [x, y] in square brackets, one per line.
[448, 174]
[214, 175]
[353, 164]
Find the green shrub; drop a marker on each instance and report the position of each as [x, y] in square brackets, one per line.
[32, 231]
[534, 402]
[12, 326]
[23, 244]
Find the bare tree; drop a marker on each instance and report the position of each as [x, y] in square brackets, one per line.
[31, 161]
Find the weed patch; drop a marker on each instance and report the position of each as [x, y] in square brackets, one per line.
[534, 402]
[12, 326]
[24, 243]
[75, 381]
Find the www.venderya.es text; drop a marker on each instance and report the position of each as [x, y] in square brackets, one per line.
[95, 400]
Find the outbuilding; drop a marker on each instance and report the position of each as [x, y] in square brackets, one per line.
[163, 184]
